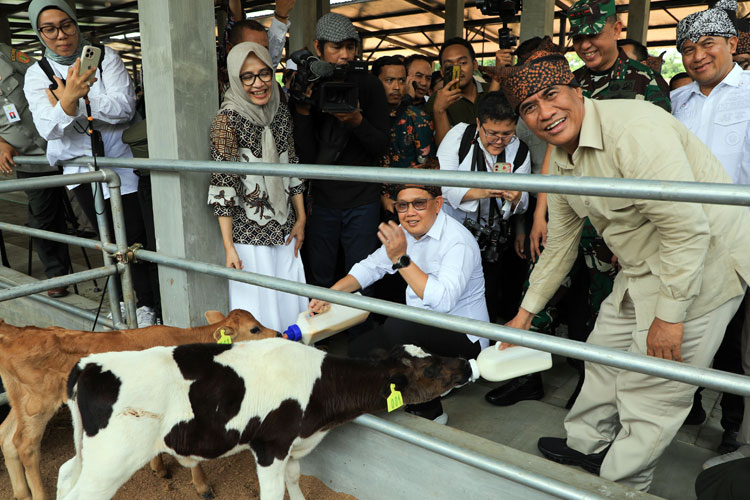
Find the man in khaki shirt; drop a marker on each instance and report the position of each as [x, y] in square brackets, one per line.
[661, 305]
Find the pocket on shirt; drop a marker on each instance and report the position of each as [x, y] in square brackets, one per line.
[731, 129]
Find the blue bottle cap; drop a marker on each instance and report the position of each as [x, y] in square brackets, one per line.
[293, 333]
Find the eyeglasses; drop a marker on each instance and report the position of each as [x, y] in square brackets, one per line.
[419, 205]
[265, 75]
[68, 27]
[495, 137]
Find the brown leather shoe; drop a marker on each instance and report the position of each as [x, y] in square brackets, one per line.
[58, 292]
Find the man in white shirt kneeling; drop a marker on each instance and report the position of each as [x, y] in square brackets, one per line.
[439, 260]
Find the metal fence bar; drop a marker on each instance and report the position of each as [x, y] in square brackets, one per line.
[705, 377]
[729, 194]
[64, 306]
[48, 284]
[51, 180]
[103, 224]
[118, 219]
[59, 237]
[511, 472]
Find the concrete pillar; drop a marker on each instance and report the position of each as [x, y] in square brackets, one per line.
[638, 14]
[454, 18]
[537, 19]
[5, 31]
[179, 76]
[304, 17]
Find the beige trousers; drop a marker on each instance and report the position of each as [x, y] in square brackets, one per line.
[638, 414]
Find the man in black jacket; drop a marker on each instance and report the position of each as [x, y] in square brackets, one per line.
[343, 214]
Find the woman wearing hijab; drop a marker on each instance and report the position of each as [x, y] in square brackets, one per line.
[262, 218]
[60, 116]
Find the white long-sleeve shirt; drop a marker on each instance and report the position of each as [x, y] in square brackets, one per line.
[449, 255]
[112, 99]
[720, 119]
[277, 39]
[448, 156]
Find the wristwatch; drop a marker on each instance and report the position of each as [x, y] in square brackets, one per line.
[402, 261]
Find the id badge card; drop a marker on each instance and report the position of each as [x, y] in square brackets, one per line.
[503, 166]
[11, 113]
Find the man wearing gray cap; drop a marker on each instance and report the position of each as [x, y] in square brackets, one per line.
[343, 214]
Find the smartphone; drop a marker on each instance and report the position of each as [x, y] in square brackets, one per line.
[451, 73]
[90, 57]
[502, 166]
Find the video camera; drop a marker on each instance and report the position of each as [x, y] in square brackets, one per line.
[331, 92]
[507, 10]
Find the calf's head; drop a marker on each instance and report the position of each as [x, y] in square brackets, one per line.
[239, 325]
[421, 377]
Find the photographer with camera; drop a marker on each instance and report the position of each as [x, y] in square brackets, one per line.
[343, 213]
[488, 145]
[84, 113]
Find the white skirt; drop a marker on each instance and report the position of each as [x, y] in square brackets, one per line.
[273, 309]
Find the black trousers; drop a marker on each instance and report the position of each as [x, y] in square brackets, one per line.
[47, 212]
[135, 232]
[147, 210]
[398, 331]
[728, 481]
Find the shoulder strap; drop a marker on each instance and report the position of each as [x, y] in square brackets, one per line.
[466, 141]
[101, 59]
[523, 151]
[47, 68]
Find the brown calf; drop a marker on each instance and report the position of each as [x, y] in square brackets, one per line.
[34, 366]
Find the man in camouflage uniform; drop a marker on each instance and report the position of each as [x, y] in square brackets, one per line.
[18, 136]
[608, 74]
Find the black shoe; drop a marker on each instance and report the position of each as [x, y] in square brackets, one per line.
[557, 450]
[697, 414]
[729, 442]
[431, 410]
[517, 389]
[61, 291]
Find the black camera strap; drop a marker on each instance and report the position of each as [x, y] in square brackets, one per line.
[478, 157]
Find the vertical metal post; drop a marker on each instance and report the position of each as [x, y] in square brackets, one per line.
[537, 19]
[121, 240]
[454, 18]
[101, 219]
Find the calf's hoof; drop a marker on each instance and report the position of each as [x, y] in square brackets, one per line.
[209, 495]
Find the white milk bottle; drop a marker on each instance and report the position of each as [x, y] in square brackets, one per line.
[496, 364]
[310, 329]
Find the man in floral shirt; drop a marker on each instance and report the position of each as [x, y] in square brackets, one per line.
[411, 129]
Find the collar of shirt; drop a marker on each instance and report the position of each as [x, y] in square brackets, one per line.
[590, 136]
[435, 232]
[732, 79]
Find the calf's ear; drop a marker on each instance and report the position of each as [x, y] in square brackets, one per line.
[399, 380]
[213, 316]
[228, 332]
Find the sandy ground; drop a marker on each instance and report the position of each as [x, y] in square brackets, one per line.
[232, 478]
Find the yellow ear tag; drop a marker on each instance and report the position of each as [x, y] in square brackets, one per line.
[224, 339]
[395, 400]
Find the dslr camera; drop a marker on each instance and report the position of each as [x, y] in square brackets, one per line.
[491, 241]
[331, 92]
[506, 9]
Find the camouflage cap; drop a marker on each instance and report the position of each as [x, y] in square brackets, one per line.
[588, 17]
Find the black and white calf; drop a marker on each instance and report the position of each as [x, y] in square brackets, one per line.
[277, 398]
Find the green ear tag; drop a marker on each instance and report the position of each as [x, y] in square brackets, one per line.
[224, 339]
[395, 400]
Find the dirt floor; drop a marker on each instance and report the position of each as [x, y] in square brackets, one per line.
[232, 478]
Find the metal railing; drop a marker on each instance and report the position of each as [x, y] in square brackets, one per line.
[620, 188]
[110, 252]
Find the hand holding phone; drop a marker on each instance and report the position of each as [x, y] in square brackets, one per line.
[451, 73]
[90, 57]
